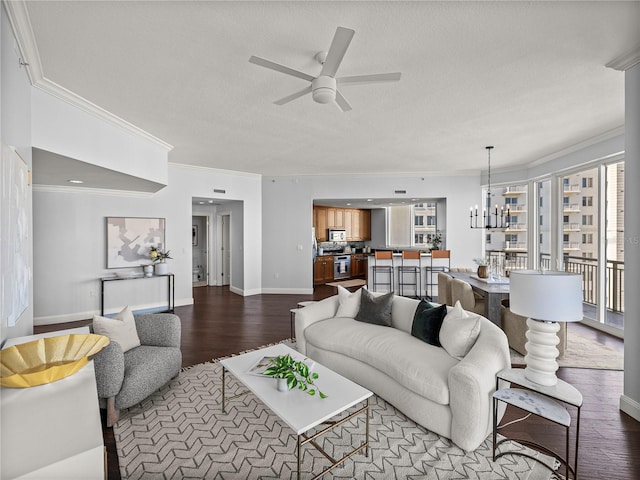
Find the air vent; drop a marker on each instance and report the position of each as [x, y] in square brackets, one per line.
[219, 190]
[400, 192]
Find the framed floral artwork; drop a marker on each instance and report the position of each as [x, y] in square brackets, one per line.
[129, 240]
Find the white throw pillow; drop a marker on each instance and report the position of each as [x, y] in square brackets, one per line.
[349, 302]
[120, 328]
[459, 331]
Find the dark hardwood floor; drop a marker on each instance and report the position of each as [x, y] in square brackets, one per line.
[221, 323]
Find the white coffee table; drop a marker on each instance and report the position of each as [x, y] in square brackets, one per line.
[300, 411]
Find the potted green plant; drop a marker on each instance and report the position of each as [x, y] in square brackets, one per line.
[291, 374]
[436, 241]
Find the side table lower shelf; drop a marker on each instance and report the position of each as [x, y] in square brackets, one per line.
[548, 403]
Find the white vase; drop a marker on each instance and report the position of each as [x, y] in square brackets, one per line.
[148, 270]
[162, 268]
[282, 385]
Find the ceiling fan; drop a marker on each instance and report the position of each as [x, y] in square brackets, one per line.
[324, 87]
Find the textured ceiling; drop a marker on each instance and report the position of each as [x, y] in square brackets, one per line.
[527, 77]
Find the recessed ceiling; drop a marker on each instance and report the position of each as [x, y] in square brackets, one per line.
[527, 77]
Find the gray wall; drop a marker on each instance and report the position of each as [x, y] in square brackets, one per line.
[630, 401]
[288, 210]
[15, 129]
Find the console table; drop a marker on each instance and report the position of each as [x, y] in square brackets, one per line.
[171, 292]
[544, 402]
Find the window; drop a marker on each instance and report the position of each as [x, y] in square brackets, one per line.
[587, 201]
[565, 201]
[587, 182]
[419, 238]
[565, 238]
[565, 219]
[587, 219]
[565, 182]
[419, 205]
[540, 202]
[431, 220]
[512, 220]
[541, 220]
[488, 238]
[587, 238]
[511, 237]
[419, 221]
[511, 201]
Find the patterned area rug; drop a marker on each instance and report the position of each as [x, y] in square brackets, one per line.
[180, 432]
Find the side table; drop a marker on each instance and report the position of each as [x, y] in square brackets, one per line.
[293, 314]
[545, 402]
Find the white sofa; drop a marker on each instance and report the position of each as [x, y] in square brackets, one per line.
[446, 395]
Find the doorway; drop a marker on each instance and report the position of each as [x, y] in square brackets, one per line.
[200, 250]
[223, 252]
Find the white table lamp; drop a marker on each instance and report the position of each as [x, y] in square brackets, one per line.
[546, 297]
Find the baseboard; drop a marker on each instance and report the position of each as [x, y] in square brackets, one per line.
[244, 293]
[87, 315]
[630, 407]
[289, 291]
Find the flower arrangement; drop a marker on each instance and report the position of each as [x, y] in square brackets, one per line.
[157, 255]
[481, 261]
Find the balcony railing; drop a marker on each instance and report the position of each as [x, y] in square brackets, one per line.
[586, 267]
[571, 227]
[575, 188]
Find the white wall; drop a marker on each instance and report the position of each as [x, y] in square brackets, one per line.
[70, 242]
[288, 210]
[62, 128]
[15, 130]
[630, 401]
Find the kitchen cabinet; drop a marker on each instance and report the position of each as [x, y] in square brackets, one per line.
[355, 225]
[320, 223]
[323, 269]
[365, 225]
[358, 265]
[356, 222]
[335, 217]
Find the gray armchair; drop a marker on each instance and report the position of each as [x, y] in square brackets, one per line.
[125, 379]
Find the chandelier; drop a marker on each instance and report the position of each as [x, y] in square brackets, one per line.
[491, 221]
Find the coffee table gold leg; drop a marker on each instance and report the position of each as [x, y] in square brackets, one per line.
[366, 450]
[223, 383]
[299, 447]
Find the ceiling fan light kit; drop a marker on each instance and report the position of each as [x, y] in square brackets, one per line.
[323, 88]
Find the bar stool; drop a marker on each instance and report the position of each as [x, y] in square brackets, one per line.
[442, 264]
[412, 269]
[386, 269]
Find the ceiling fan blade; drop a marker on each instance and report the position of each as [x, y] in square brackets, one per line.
[338, 48]
[342, 102]
[364, 79]
[280, 68]
[293, 96]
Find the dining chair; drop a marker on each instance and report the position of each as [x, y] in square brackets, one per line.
[382, 266]
[440, 262]
[444, 288]
[462, 291]
[411, 264]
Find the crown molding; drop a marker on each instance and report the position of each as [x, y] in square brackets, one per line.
[625, 61]
[21, 24]
[90, 191]
[213, 170]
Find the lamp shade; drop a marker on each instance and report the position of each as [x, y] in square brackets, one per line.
[546, 295]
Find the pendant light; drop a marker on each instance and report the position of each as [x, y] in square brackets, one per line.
[490, 221]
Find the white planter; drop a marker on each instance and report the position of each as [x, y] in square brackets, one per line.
[162, 268]
[282, 384]
[148, 270]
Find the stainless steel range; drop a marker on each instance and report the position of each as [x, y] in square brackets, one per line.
[341, 267]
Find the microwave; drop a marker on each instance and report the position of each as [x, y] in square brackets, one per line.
[337, 235]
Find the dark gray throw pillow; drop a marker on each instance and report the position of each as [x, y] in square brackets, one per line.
[427, 322]
[376, 310]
